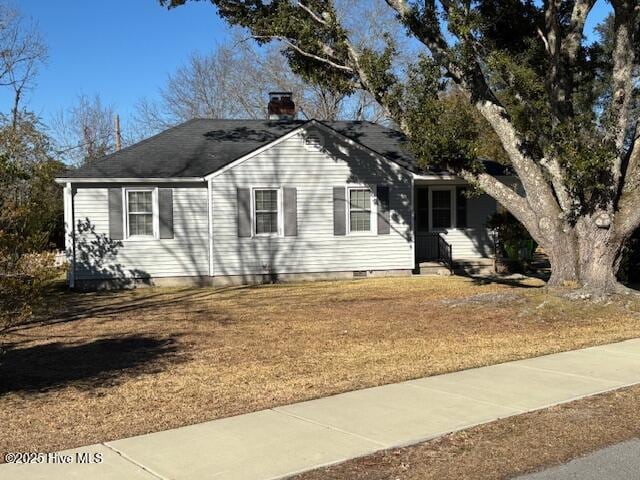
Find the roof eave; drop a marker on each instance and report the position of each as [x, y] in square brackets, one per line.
[129, 180]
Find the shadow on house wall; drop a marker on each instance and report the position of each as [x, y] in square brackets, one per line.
[97, 260]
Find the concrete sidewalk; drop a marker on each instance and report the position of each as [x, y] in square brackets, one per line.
[290, 439]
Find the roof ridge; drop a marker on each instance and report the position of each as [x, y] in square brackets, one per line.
[245, 120]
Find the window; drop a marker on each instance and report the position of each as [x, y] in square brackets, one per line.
[140, 213]
[422, 209]
[461, 207]
[266, 211]
[441, 208]
[359, 210]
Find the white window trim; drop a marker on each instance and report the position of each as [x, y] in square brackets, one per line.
[280, 212]
[154, 211]
[373, 210]
[452, 193]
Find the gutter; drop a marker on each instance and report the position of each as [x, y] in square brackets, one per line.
[65, 180]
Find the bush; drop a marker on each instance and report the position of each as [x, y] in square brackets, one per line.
[514, 242]
[24, 279]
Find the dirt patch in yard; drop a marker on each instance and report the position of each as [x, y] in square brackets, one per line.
[112, 365]
[491, 298]
[505, 448]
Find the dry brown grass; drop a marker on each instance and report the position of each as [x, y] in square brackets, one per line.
[505, 448]
[127, 363]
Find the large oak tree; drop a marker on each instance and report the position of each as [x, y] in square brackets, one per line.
[563, 109]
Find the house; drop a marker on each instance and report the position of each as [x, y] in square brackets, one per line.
[213, 202]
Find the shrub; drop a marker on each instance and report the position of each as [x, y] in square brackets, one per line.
[24, 279]
[514, 242]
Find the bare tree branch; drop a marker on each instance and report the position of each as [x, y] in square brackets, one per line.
[22, 51]
[327, 49]
[312, 14]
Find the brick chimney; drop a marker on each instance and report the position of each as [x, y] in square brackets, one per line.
[281, 106]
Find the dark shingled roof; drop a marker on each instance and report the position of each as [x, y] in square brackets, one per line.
[202, 146]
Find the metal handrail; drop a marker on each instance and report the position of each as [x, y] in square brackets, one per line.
[445, 252]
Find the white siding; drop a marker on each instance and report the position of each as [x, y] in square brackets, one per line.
[469, 242]
[315, 249]
[97, 256]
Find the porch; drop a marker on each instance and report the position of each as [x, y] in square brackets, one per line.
[450, 228]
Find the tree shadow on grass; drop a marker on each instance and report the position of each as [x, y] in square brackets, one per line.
[99, 363]
[63, 306]
[516, 282]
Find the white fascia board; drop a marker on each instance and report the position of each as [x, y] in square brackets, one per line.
[130, 180]
[437, 176]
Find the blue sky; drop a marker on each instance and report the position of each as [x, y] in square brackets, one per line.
[121, 49]
[124, 49]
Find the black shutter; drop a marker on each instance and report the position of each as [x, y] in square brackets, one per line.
[165, 206]
[422, 209]
[339, 214]
[461, 207]
[290, 208]
[244, 212]
[116, 231]
[382, 193]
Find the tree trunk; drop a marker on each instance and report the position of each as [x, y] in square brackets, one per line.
[585, 256]
[563, 257]
[600, 255]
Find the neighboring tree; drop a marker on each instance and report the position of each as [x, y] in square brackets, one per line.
[85, 131]
[234, 82]
[30, 201]
[22, 51]
[561, 108]
[31, 217]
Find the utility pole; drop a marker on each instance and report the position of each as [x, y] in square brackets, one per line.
[118, 135]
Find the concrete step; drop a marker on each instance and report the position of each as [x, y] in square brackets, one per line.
[474, 266]
[462, 266]
[433, 268]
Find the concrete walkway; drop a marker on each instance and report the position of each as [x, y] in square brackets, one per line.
[290, 439]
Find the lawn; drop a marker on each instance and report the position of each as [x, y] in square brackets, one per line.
[111, 365]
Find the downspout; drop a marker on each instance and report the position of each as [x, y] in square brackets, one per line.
[69, 238]
[210, 211]
[412, 214]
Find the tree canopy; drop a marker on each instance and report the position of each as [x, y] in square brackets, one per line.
[563, 108]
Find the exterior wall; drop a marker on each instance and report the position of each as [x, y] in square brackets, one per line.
[97, 256]
[313, 173]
